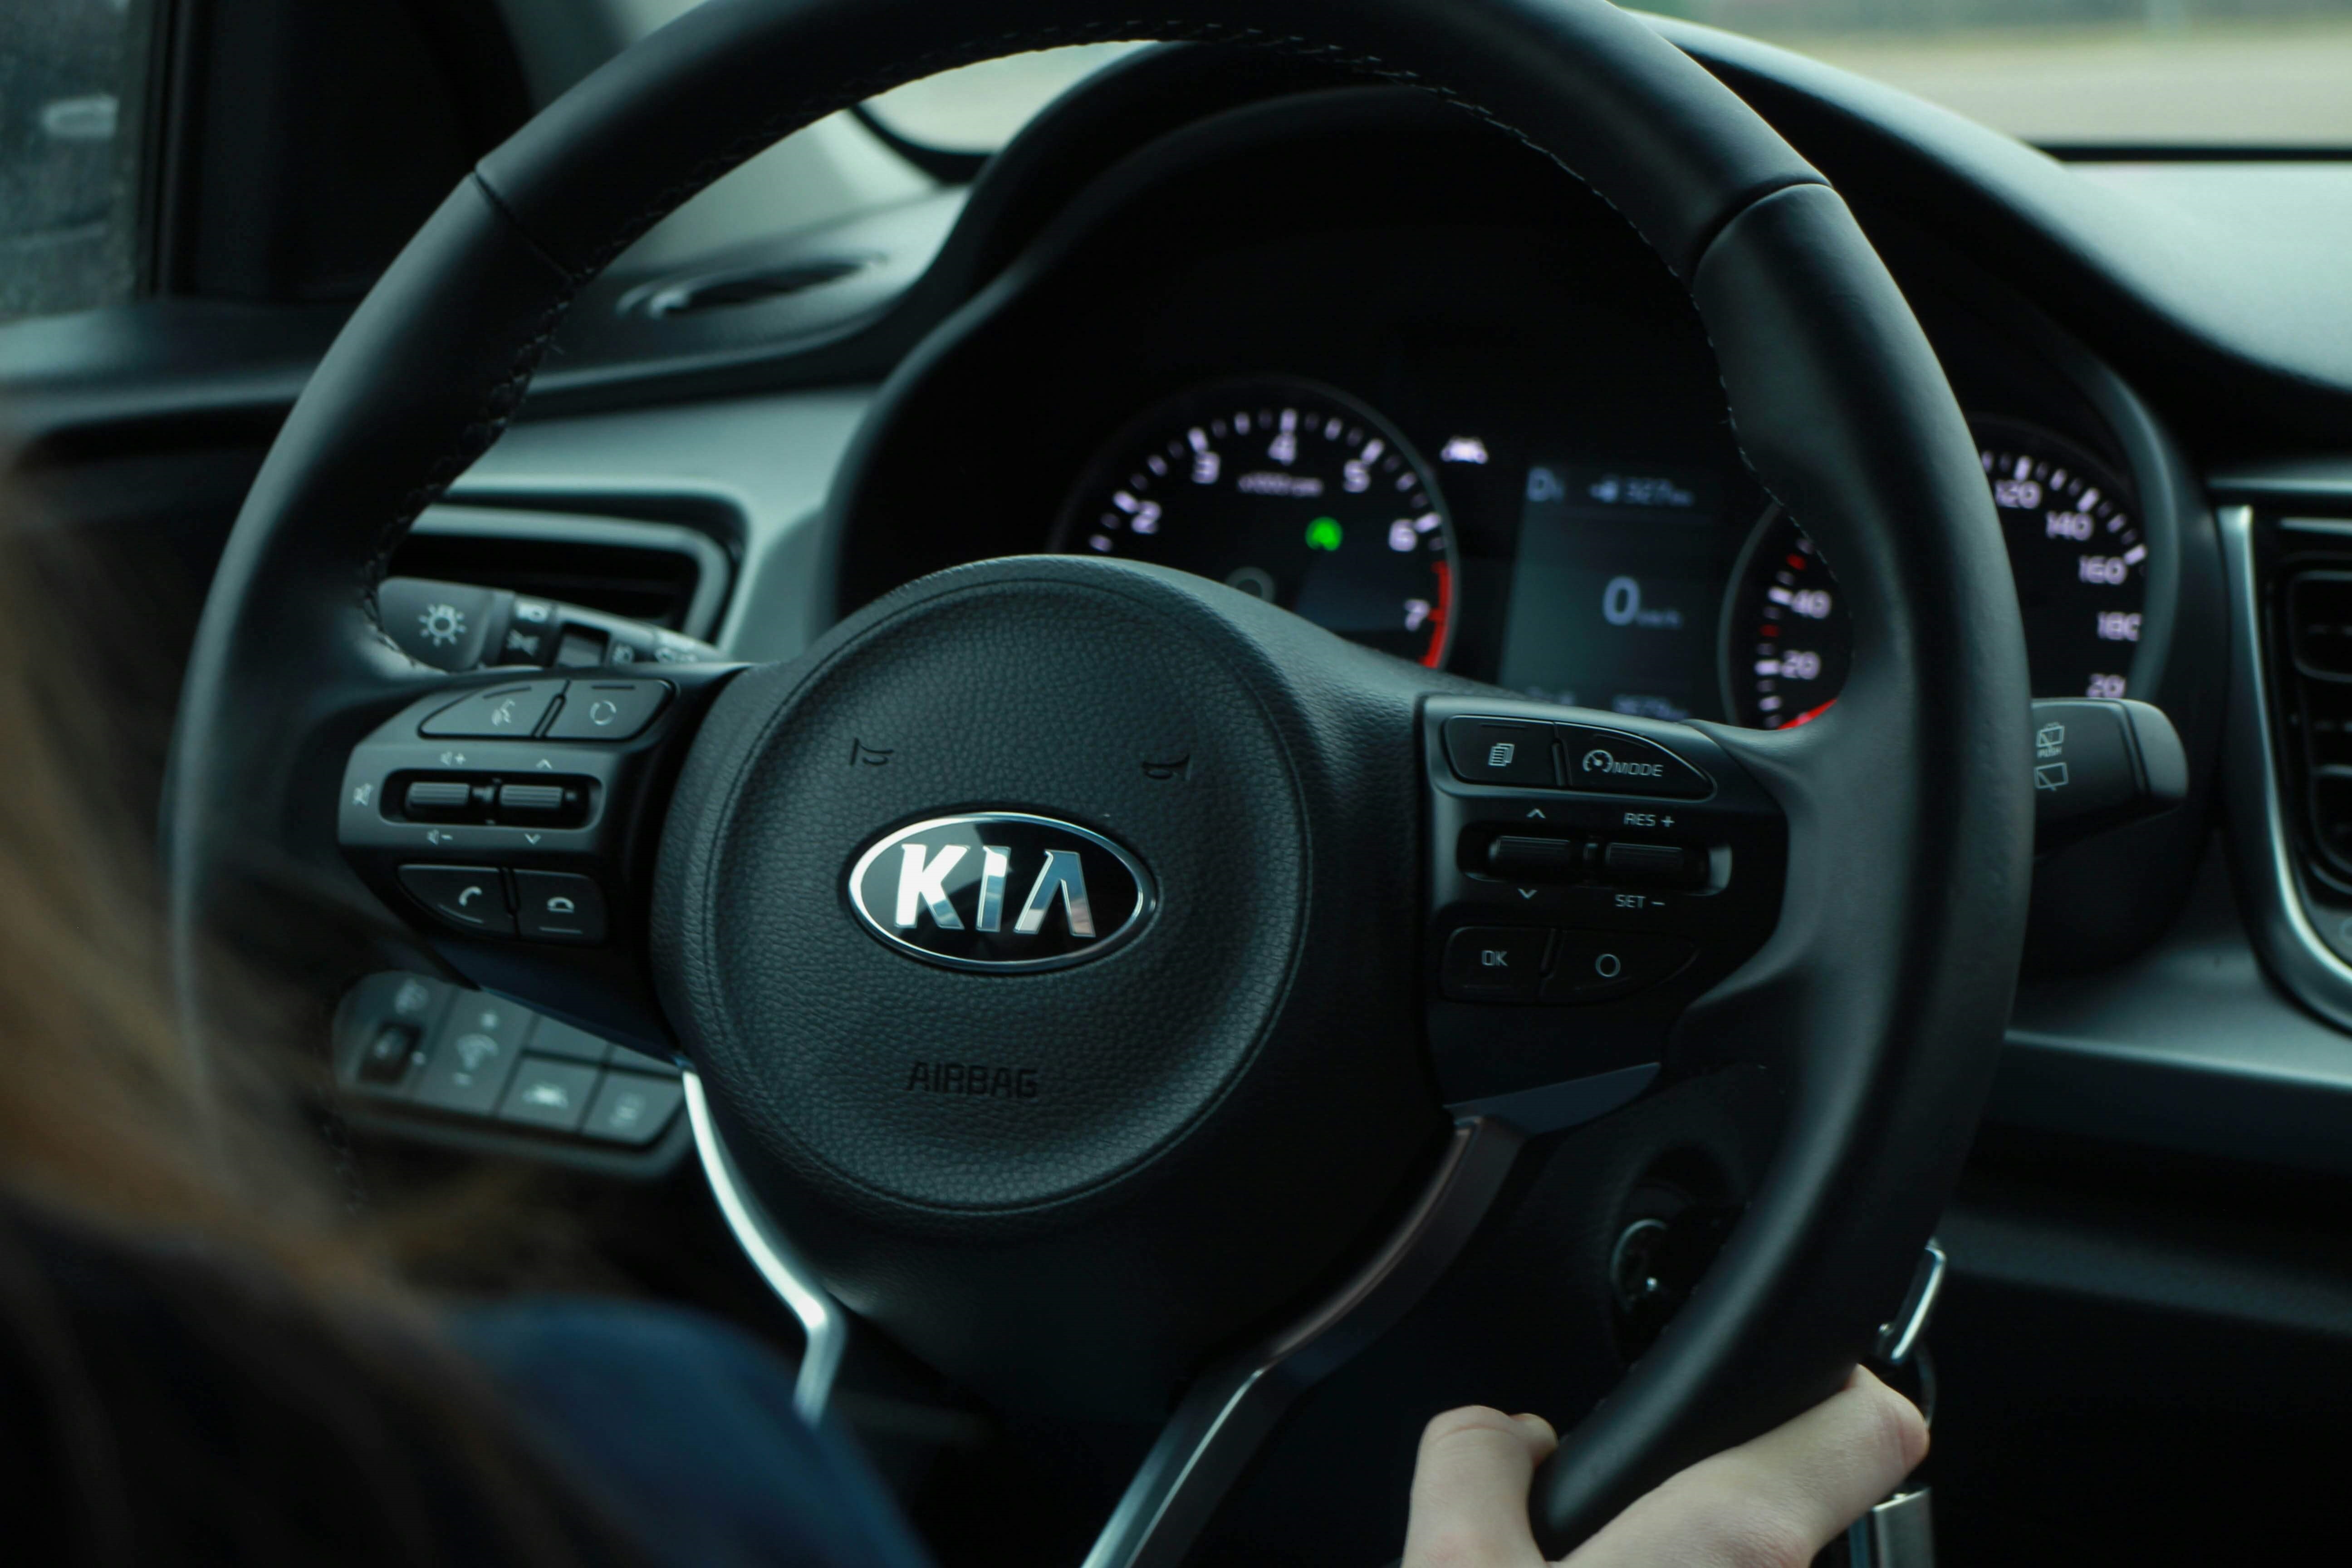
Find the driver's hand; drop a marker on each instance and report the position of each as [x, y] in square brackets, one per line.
[1771, 1503]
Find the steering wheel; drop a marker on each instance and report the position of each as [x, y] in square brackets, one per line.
[1059, 946]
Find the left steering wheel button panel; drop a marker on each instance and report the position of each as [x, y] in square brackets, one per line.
[471, 898]
[501, 712]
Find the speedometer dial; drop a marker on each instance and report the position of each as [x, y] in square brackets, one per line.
[1286, 490]
[2074, 547]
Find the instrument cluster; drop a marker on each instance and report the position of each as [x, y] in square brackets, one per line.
[1658, 589]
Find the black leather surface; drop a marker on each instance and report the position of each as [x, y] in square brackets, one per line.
[1881, 998]
[1910, 853]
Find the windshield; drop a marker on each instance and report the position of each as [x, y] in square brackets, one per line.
[2231, 74]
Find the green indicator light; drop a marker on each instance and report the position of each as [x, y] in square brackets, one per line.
[1323, 533]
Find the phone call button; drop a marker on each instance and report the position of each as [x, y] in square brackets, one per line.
[471, 898]
[555, 906]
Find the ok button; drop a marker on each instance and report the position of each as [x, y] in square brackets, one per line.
[1494, 963]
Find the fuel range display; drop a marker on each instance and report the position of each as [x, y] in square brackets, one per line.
[1615, 589]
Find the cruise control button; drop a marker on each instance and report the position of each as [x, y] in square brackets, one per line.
[1494, 963]
[1653, 865]
[503, 712]
[608, 710]
[549, 1093]
[555, 906]
[1500, 751]
[471, 898]
[1593, 965]
[1627, 764]
[632, 1108]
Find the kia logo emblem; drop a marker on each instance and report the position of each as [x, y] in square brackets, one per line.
[1000, 891]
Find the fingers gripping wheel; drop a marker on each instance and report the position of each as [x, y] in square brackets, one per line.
[1877, 998]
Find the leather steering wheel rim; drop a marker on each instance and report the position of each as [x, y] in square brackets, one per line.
[1902, 916]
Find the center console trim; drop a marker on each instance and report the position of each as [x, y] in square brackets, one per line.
[2260, 836]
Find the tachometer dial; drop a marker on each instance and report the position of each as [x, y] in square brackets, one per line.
[2075, 548]
[1287, 491]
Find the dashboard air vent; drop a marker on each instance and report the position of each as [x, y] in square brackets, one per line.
[665, 574]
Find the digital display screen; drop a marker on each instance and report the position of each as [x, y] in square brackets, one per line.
[1616, 589]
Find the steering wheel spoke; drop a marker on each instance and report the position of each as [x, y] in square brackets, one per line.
[1589, 875]
[512, 820]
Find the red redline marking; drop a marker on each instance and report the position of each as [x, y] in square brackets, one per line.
[1439, 616]
[1810, 714]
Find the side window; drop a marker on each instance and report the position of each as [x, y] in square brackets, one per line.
[72, 82]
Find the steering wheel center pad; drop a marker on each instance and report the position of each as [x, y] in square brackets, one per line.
[1248, 1053]
[1879, 1000]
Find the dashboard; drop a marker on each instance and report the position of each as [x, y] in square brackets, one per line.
[1350, 354]
[1448, 404]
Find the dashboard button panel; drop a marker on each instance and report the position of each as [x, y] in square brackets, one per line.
[416, 1049]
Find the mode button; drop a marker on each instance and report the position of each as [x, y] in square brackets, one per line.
[1621, 764]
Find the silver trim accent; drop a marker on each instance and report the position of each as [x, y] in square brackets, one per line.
[1032, 914]
[1556, 1105]
[2259, 836]
[1897, 1534]
[1899, 1338]
[1229, 1411]
[821, 1318]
